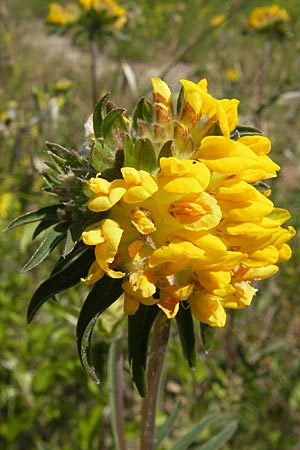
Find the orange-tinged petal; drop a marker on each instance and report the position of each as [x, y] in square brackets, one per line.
[197, 211]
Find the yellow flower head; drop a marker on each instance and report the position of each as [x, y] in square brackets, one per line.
[62, 15]
[110, 6]
[194, 228]
[267, 16]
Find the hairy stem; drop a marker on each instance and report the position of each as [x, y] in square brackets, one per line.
[155, 365]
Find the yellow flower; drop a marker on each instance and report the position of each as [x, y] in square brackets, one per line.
[217, 20]
[196, 229]
[232, 75]
[106, 194]
[62, 15]
[106, 237]
[110, 6]
[267, 16]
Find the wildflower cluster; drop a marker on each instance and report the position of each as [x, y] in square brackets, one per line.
[97, 13]
[200, 227]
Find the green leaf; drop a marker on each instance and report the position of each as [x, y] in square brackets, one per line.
[185, 441]
[109, 120]
[60, 281]
[144, 156]
[244, 130]
[43, 225]
[50, 241]
[64, 261]
[221, 438]
[73, 235]
[48, 213]
[66, 156]
[97, 116]
[165, 429]
[106, 160]
[128, 152]
[105, 292]
[186, 333]
[143, 111]
[207, 335]
[139, 326]
[114, 357]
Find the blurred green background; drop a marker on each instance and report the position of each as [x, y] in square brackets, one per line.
[252, 369]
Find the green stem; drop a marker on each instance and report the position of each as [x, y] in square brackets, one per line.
[155, 365]
[93, 67]
[263, 70]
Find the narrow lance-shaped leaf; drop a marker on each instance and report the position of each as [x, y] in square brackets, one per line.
[186, 333]
[114, 375]
[185, 441]
[60, 281]
[43, 225]
[221, 438]
[165, 429]
[64, 261]
[48, 212]
[51, 240]
[74, 233]
[139, 326]
[104, 293]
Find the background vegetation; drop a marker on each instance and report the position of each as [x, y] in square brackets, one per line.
[252, 368]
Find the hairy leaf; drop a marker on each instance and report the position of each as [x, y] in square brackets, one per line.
[48, 213]
[61, 280]
[50, 241]
[98, 117]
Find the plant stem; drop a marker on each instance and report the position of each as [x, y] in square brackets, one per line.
[263, 70]
[155, 365]
[93, 67]
[119, 398]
